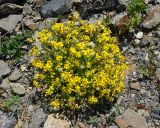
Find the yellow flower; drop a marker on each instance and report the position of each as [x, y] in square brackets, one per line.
[35, 83]
[92, 100]
[57, 45]
[59, 58]
[34, 51]
[67, 65]
[48, 65]
[78, 63]
[55, 104]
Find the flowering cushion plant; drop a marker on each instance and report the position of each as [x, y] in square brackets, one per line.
[78, 63]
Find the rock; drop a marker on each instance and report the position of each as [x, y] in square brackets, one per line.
[121, 122]
[155, 116]
[39, 3]
[11, 20]
[51, 122]
[124, 2]
[136, 41]
[9, 8]
[120, 98]
[56, 7]
[8, 1]
[27, 9]
[139, 35]
[81, 125]
[92, 6]
[15, 75]
[116, 20]
[18, 88]
[5, 84]
[131, 119]
[23, 68]
[4, 69]
[31, 25]
[146, 58]
[152, 20]
[7, 122]
[146, 40]
[38, 118]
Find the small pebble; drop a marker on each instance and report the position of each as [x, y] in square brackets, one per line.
[139, 35]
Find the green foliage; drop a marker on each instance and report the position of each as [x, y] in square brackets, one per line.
[107, 20]
[7, 104]
[94, 120]
[148, 69]
[135, 8]
[12, 46]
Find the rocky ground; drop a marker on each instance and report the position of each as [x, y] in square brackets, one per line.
[139, 104]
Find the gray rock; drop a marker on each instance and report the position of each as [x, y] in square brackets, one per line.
[132, 119]
[146, 40]
[7, 122]
[9, 8]
[56, 7]
[12, 21]
[92, 6]
[136, 41]
[152, 20]
[5, 84]
[18, 88]
[4, 69]
[15, 75]
[38, 118]
[155, 116]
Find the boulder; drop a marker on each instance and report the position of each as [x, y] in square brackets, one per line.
[93, 6]
[136, 86]
[56, 7]
[7, 122]
[9, 8]
[18, 88]
[15, 75]
[38, 118]
[153, 18]
[9, 23]
[116, 20]
[52, 122]
[31, 25]
[4, 68]
[131, 119]
[5, 84]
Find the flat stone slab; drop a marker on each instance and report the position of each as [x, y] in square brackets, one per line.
[4, 68]
[132, 119]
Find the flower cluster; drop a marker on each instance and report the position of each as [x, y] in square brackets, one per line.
[78, 63]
